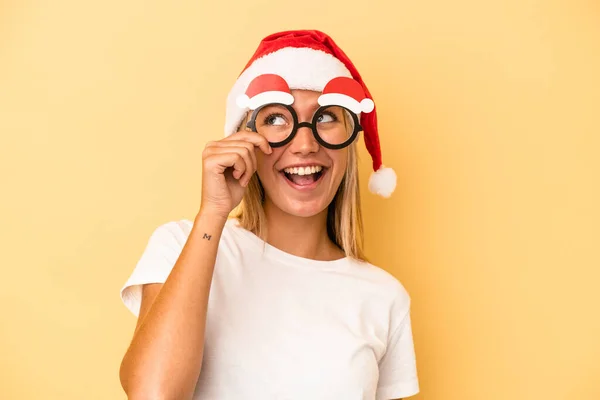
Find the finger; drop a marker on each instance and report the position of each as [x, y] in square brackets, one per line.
[219, 162]
[246, 150]
[237, 143]
[252, 137]
[244, 153]
[249, 159]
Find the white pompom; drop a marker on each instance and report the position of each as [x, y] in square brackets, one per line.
[383, 182]
[242, 101]
[367, 105]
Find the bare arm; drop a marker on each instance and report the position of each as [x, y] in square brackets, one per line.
[164, 358]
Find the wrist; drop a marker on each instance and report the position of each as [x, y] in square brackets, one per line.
[211, 217]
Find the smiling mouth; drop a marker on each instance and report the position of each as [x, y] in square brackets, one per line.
[305, 179]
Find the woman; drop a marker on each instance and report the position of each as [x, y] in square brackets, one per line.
[278, 302]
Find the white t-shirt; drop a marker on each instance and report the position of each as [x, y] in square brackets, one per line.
[283, 327]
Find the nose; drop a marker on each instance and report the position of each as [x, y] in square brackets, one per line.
[304, 142]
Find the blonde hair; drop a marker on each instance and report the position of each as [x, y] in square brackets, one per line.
[344, 215]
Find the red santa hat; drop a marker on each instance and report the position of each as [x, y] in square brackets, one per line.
[310, 59]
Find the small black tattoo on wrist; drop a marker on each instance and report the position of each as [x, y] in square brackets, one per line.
[207, 237]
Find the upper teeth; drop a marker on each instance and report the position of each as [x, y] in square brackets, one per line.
[304, 170]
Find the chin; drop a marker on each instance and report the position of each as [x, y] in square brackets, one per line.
[302, 208]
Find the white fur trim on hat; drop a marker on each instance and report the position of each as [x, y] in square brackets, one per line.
[383, 182]
[264, 98]
[302, 68]
[339, 99]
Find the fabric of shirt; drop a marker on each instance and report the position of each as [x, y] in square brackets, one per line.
[284, 327]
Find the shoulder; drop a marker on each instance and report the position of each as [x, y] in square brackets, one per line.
[167, 237]
[177, 230]
[162, 250]
[388, 285]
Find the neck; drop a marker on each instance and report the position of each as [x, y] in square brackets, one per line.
[301, 236]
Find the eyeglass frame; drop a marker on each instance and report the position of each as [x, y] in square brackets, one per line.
[312, 125]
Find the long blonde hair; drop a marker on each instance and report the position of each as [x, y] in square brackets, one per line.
[344, 215]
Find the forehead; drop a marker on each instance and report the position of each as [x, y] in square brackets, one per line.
[305, 96]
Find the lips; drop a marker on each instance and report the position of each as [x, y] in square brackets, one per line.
[304, 181]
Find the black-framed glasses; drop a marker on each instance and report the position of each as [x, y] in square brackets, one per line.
[334, 127]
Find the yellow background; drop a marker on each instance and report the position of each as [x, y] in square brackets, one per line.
[489, 113]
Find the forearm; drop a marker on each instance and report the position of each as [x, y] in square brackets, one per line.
[165, 355]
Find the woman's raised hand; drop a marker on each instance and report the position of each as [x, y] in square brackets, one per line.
[227, 166]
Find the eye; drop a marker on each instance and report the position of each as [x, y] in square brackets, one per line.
[326, 117]
[275, 119]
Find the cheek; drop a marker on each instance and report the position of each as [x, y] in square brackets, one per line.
[340, 160]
